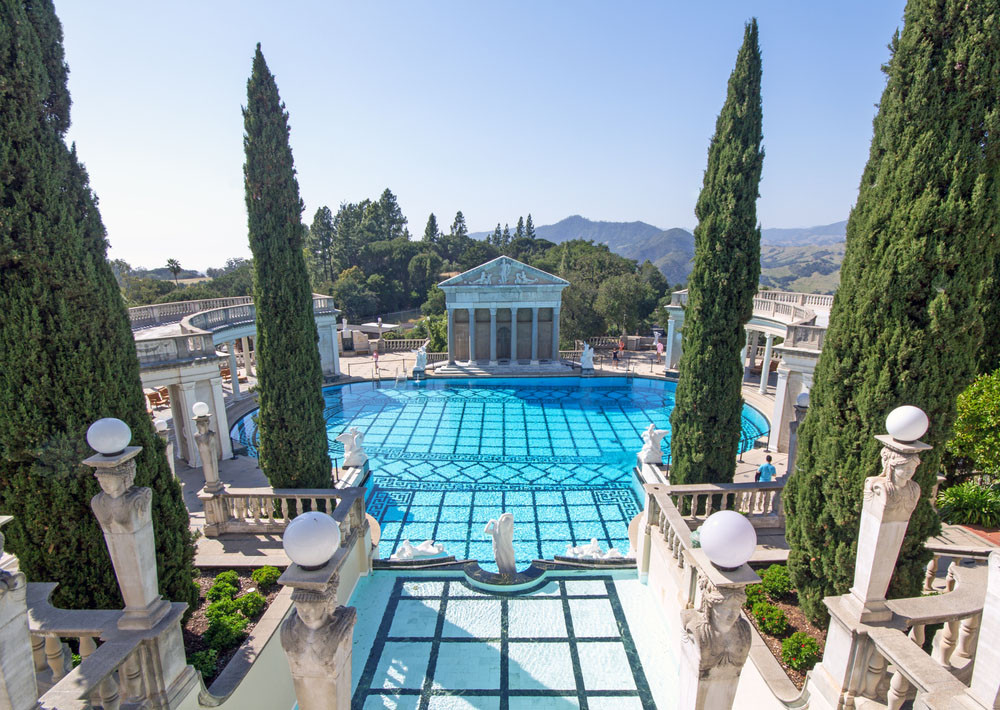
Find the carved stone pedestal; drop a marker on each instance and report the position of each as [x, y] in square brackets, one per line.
[18, 690]
[317, 639]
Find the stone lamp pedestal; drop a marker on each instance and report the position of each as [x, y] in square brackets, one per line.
[125, 515]
[889, 500]
[317, 638]
[206, 439]
[18, 688]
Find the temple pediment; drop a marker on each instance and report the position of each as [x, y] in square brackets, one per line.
[504, 271]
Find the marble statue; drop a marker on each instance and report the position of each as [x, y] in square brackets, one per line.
[587, 357]
[421, 354]
[651, 451]
[719, 638]
[409, 551]
[522, 278]
[592, 551]
[354, 454]
[502, 532]
[656, 338]
[485, 279]
[504, 271]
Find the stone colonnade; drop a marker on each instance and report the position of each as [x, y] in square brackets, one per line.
[493, 333]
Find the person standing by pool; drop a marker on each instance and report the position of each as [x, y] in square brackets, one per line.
[765, 472]
[375, 358]
[659, 352]
[614, 357]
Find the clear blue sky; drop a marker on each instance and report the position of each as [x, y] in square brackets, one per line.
[603, 109]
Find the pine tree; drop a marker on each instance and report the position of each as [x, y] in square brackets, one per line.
[67, 356]
[458, 228]
[529, 228]
[706, 419]
[497, 239]
[394, 223]
[519, 231]
[905, 325]
[293, 442]
[320, 241]
[431, 232]
[505, 237]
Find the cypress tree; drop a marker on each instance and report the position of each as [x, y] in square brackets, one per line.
[529, 228]
[905, 325]
[519, 231]
[293, 442]
[431, 231]
[67, 356]
[705, 422]
[458, 228]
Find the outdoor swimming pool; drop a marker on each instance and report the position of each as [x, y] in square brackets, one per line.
[447, 455]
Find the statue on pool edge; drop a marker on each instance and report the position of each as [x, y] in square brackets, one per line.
[502, 532]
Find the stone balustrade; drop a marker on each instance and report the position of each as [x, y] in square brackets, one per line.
[436, 357]
[808, 337]
[268, 510]
[759, 502]
[162, 313]
[819, 300]
[215, 319]
[174, 349]
[400, 345]
[784, 306]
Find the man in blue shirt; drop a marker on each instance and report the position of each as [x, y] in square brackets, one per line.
[765, 472]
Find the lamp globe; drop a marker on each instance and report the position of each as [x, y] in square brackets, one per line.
[109, 436]
[728, 539]
[311, 539]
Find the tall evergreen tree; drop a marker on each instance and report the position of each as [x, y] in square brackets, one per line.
[706, 419]
[906, 324]
[320, 241]
[293, 443]
[505, 237]
[519, 231]
[431, 232]
[394, 223]
[67, 356]
[458, 228]
[497, 239]
[529, 228]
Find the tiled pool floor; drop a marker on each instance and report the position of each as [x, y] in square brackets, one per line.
[435, 642]
[448, 455]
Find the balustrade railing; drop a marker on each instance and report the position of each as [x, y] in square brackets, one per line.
[760, 502]
[400, 345]
[110, 674]
[173, 349]
[784, 306]
[162, 313]
[211, 320]
[805, 336]
[268, 510]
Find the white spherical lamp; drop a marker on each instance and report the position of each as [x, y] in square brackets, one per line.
[311, 539]
[109, 436]
[728, 539]
[802, 400]
[200, 409]
[160, 424]
[906, 423]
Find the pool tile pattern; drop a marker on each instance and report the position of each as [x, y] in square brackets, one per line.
[449, 455]
[565, 644]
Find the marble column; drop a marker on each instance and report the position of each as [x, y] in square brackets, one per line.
[247, 367]
[472, 335]
[451, 336]
[513, 335]
[189, 451]
[765, 366]
[985, 686]
[336, 349]
[234, 368]
[534, 335]
[668, 360]
[752, 359]
[221, 420]
[493, 336]
[555, 334]
[743, 352]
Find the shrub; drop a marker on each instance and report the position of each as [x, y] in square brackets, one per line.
[976, 434]
[251, 604]
[221, 590]
[800, 651]
[222, 607]
[204, 662]
[770, 619]
[755, 593]
[224, 632]
[265, 577]
[776, 582]
[970, 503]
[228, 577]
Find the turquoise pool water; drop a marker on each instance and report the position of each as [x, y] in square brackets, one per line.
[447, 455]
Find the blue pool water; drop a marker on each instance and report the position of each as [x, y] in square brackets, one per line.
[447, 455]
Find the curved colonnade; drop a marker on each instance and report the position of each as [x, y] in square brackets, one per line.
[178, 347]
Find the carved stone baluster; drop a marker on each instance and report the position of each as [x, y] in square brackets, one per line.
[932, 568]
[968, 635]
[57, 658]
[874, 673]
[708, 505]
[130, 676]
[255, 509]
[87, 647]
[945, 641]
[38, 653]
[284, 509]
[724, 504]
[900, 690]
[110, 699]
